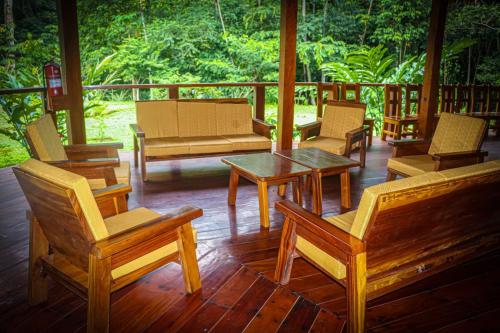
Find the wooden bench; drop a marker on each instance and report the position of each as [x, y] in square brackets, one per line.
[179, 129]
[402, 232]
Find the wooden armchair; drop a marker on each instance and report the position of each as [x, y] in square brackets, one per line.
[456, 142]
[338, 131]
[93, 256]
[98, 162]
[402, 232]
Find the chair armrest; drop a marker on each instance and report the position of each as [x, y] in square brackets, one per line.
[309, 130]
[409, 147]
[262, 128]
[87, 163]
[137, 235]
[455, 160]
[93, 150]
[327, 232]
[112, 191]
[137, 131]
[356, 135]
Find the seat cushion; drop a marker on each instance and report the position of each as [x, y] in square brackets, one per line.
[131, 219]
[158, 119]
[412, 165]
[208, 145]
[334, 146]
[122, 174]
[45, 140]
[233, 119]
[196, 119]
[320, 257]
[248, 142]
[457, 133]
[338, 120]
[73, 182]
[165, 147]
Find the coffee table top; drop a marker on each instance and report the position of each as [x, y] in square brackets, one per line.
[317, 159]
[266, 166]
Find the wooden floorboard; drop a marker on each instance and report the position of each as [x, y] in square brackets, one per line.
[237, 259]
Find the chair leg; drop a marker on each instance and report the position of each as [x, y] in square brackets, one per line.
[285, 254]
[356, 293]
[362, 151]
[384, 134]
[136, 152]
[99, 289]
[38, 247]
[390, 176]
[187, 253]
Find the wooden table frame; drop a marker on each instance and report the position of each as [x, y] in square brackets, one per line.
[317, 186]
[263, 182]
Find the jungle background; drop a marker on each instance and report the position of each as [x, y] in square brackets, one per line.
[180, 41]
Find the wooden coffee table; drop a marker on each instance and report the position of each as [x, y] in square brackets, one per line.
[322, 164]
[264, 169]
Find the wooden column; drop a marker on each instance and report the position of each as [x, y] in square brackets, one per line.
[173, 92]
[286, 84]
[319, 100]
[71, 69]
[432, 65]
[259, 101]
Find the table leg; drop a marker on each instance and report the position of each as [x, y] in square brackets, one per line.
[317, 195]
[297, 190]
[263, 204]
[345, 189]
[233, 187]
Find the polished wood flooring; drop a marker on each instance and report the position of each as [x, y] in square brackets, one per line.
[237, 259]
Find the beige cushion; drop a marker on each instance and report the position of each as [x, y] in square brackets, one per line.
[76, 183]
[234, 119]
[122, 174]
[457, 133]
[338, 120]
[45, 140]
[208, 145]
[165, 147]
[196, 119]
[131, 219]
[248, 142]
[332, 145]
[412, 165]
[471, 170]
[157, 119]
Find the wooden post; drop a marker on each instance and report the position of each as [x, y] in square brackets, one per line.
[71, 69]
[432, 65]
[319, 101]
[173, 92]
[259, 101]
[286, 84]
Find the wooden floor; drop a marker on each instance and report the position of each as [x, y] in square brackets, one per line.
[237, 259]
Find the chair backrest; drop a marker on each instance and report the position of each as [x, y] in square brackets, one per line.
[413, 94]
[233, 119]
[393, 100]
[158, 119]
[413, 215]
[350, 92]
[44, 140]
[448, 98]
[340, 118]
[65, 207]
[457, 133]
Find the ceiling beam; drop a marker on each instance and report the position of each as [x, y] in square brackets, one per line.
[430, 87]
[287, 70]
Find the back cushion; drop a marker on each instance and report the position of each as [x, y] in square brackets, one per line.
[338, 120]
[197, 119]
[457, 133]
[45, 140]
[234, 119]
[158, 119]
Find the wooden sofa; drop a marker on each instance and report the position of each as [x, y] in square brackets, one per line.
[178, 129]
[403, 231]
[92, 253]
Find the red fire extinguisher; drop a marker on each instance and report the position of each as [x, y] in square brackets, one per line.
[53, 82]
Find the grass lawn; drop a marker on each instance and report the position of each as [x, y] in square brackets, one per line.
[115, 127]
